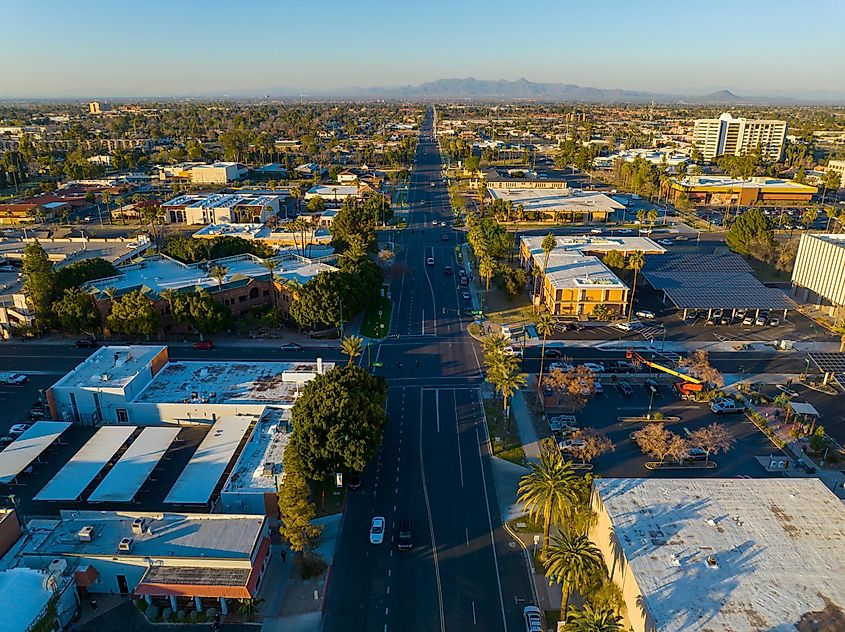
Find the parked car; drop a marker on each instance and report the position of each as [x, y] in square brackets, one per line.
[724, 405]
[596, 231]
[37, 414]
[203, 345]
[560, 366]
[774, 321]
[695, 454]
[598, 388]
[405, 535]
[625, 326]
[553, 353]
[86, 343]
[748, 320]
[19, 429]
[644, 313]
[595, 367]
[665, 242]
[377, 530]
[725, 320]
[514, 351]
[13, 379]
[681, 238]
[625, 389]
[532, 618]
[624, 231]
[4, 441]
[291, 346]
[465, 296]
[572, 445]
[620, 366]
[560, 422]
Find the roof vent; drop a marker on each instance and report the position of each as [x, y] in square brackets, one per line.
[125, 545]
[86, 534]
[105, 377]
[675, 560]
[711, 562]
[138, 526]
[711, 522]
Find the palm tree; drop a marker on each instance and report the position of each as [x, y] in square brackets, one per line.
[505, 376]
[549, 243]
[549, 491]
[594, 620]
[352, 346]
[482, 192]
[271, 268]
[218, 272]
[169, 295]
[573, 561]
[545, 327]
[839, 328]
[487, 268]
[494, 344]
[635, 262]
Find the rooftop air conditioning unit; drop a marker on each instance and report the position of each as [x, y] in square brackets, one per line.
[86, 534]
[57, 567]
[125, 545]
[138, 526]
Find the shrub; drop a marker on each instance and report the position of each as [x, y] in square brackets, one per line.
[141, 605]
[166, 614]
[310, 565]
[152, 612]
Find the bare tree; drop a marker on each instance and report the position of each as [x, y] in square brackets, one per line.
[698, 365]
[575, 387]
[595, 444]
[655, 440]
[713, 439]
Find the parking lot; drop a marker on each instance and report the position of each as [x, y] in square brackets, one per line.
[603, 410]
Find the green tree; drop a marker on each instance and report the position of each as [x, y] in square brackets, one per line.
[549, 491]
[504, 375]
[487, 268]
[316, 205]
[296, 510]
[573, 561]
[338, 420]
[636, 261]
[325, 298]
[352, 346]
[133, 313]
[750, 231]
[652, 216]
[79, 272]
[601, 312]
[592, 619]
[218, 273]
[545, 327]
[38, 282]
[77, 311]
[548, 244]
[201, 312]
[614, 259]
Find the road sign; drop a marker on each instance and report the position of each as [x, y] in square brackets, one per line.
[476, 312]
[377, 364]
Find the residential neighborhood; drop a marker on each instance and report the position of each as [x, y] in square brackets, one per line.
[300, 339]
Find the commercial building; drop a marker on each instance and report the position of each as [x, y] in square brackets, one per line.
[729, 136]
[725, 190]
[223, 208]
[655, 156]
[558, 204]
[176, 560]
[576, 281]
[98, 107]
[216, 173]
[333, 194]
[838, 166]
[316, 238]
[722, 555]
[819, 273]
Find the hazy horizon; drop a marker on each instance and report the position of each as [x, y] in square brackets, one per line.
[99, 49]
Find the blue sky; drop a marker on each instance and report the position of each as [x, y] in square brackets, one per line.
[172, 47]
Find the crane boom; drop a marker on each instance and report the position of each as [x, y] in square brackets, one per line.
[633, 355]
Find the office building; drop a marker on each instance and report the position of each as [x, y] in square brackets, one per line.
[725, 190]
[723, 555]
[224, 208]
[838, 166]
[98, 107]
[729, 136]
[819, 273]
[575, 280]
[216, 173]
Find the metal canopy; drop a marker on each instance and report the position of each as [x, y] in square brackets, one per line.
[26, 448]
[831, 363]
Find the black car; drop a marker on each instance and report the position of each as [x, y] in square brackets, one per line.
[652, 388]
[625, 389]
[553, 353]
[4, 441]
[353, 480]
[405, 535]
[86, 343]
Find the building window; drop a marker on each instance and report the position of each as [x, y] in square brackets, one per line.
[253, 293]
[122, 416]
[242, 298]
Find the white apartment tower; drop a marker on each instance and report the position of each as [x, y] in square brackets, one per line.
[731, 136]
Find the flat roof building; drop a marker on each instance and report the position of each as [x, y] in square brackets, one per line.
[223, 208]
[558, 204]
[726, 190]
[723, 555]
[575, 280]
[819, 273]
[729, 136]
[216, 173]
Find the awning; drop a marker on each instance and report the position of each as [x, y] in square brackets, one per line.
[804, 408]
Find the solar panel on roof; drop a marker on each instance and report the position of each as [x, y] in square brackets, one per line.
[829, 362]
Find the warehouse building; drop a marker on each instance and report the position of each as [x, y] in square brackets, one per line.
[819, 273]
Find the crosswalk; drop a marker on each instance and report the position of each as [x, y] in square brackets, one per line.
[650, 333]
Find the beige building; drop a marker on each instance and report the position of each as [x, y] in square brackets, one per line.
[838, 166]
[216, 173]
[96, 107]
[723, 555]
[729, 136]
[819, 273]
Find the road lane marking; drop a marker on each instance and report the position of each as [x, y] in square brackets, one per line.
[437, 406]
[430, 527]
[458, 428]
[474, 622]
[466, 531]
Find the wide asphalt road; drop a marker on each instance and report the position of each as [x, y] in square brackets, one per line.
[434, 466]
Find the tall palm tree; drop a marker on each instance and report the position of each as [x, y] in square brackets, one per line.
[487, 268]
[594, 620]
[352, 346]
[635, 262]
[218, 272]
[549, 491]
[548, 244]
[271, 268]
[505, 376]
[494, 344]
[573, 561]
[169, 295]
[545, 327]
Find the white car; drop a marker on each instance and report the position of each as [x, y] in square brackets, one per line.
[724, 405]
[560, 366]
[624, 231]
[596, 231]
[572, 445]
[626, 326]
[644, 313]
[377, 530]
[514, 351]
[533, 619]
[665, 242]
[13, 379]
[19, 429]
[595, 367]
[681, 238]
[562, 421]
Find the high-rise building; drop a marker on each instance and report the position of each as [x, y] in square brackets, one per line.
[729, 136]
[97, 107]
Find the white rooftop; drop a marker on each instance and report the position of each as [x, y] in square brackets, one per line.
[23, 597]
[551, 200]
[579, 244]
[197, 481]
[757, 182]
[259, 467]
[209, 536]
[111, 367]
[778, 544]
[231, 382]
[332, 191]
[224, 200]
[17, 456]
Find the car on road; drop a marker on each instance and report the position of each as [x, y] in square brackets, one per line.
[4, 441]
[291, 346]
[595, 367]
[624, 231]
[19, 429]
[445, 237]
[466, 296]
[625, 389]
[644, 313]
[353, 480]
[377, 530]
[723, 405]
[560, 366]
[596, 231]
[572, 445]
[695, 454]
[430, 261]
[627, 326]
[681, 238]
[553, 353]
[443, 224]
[203, 345]
[405, 535]
[665, 242]
[533, 619]
[86, 343]
[447, 270]
[13, 379]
